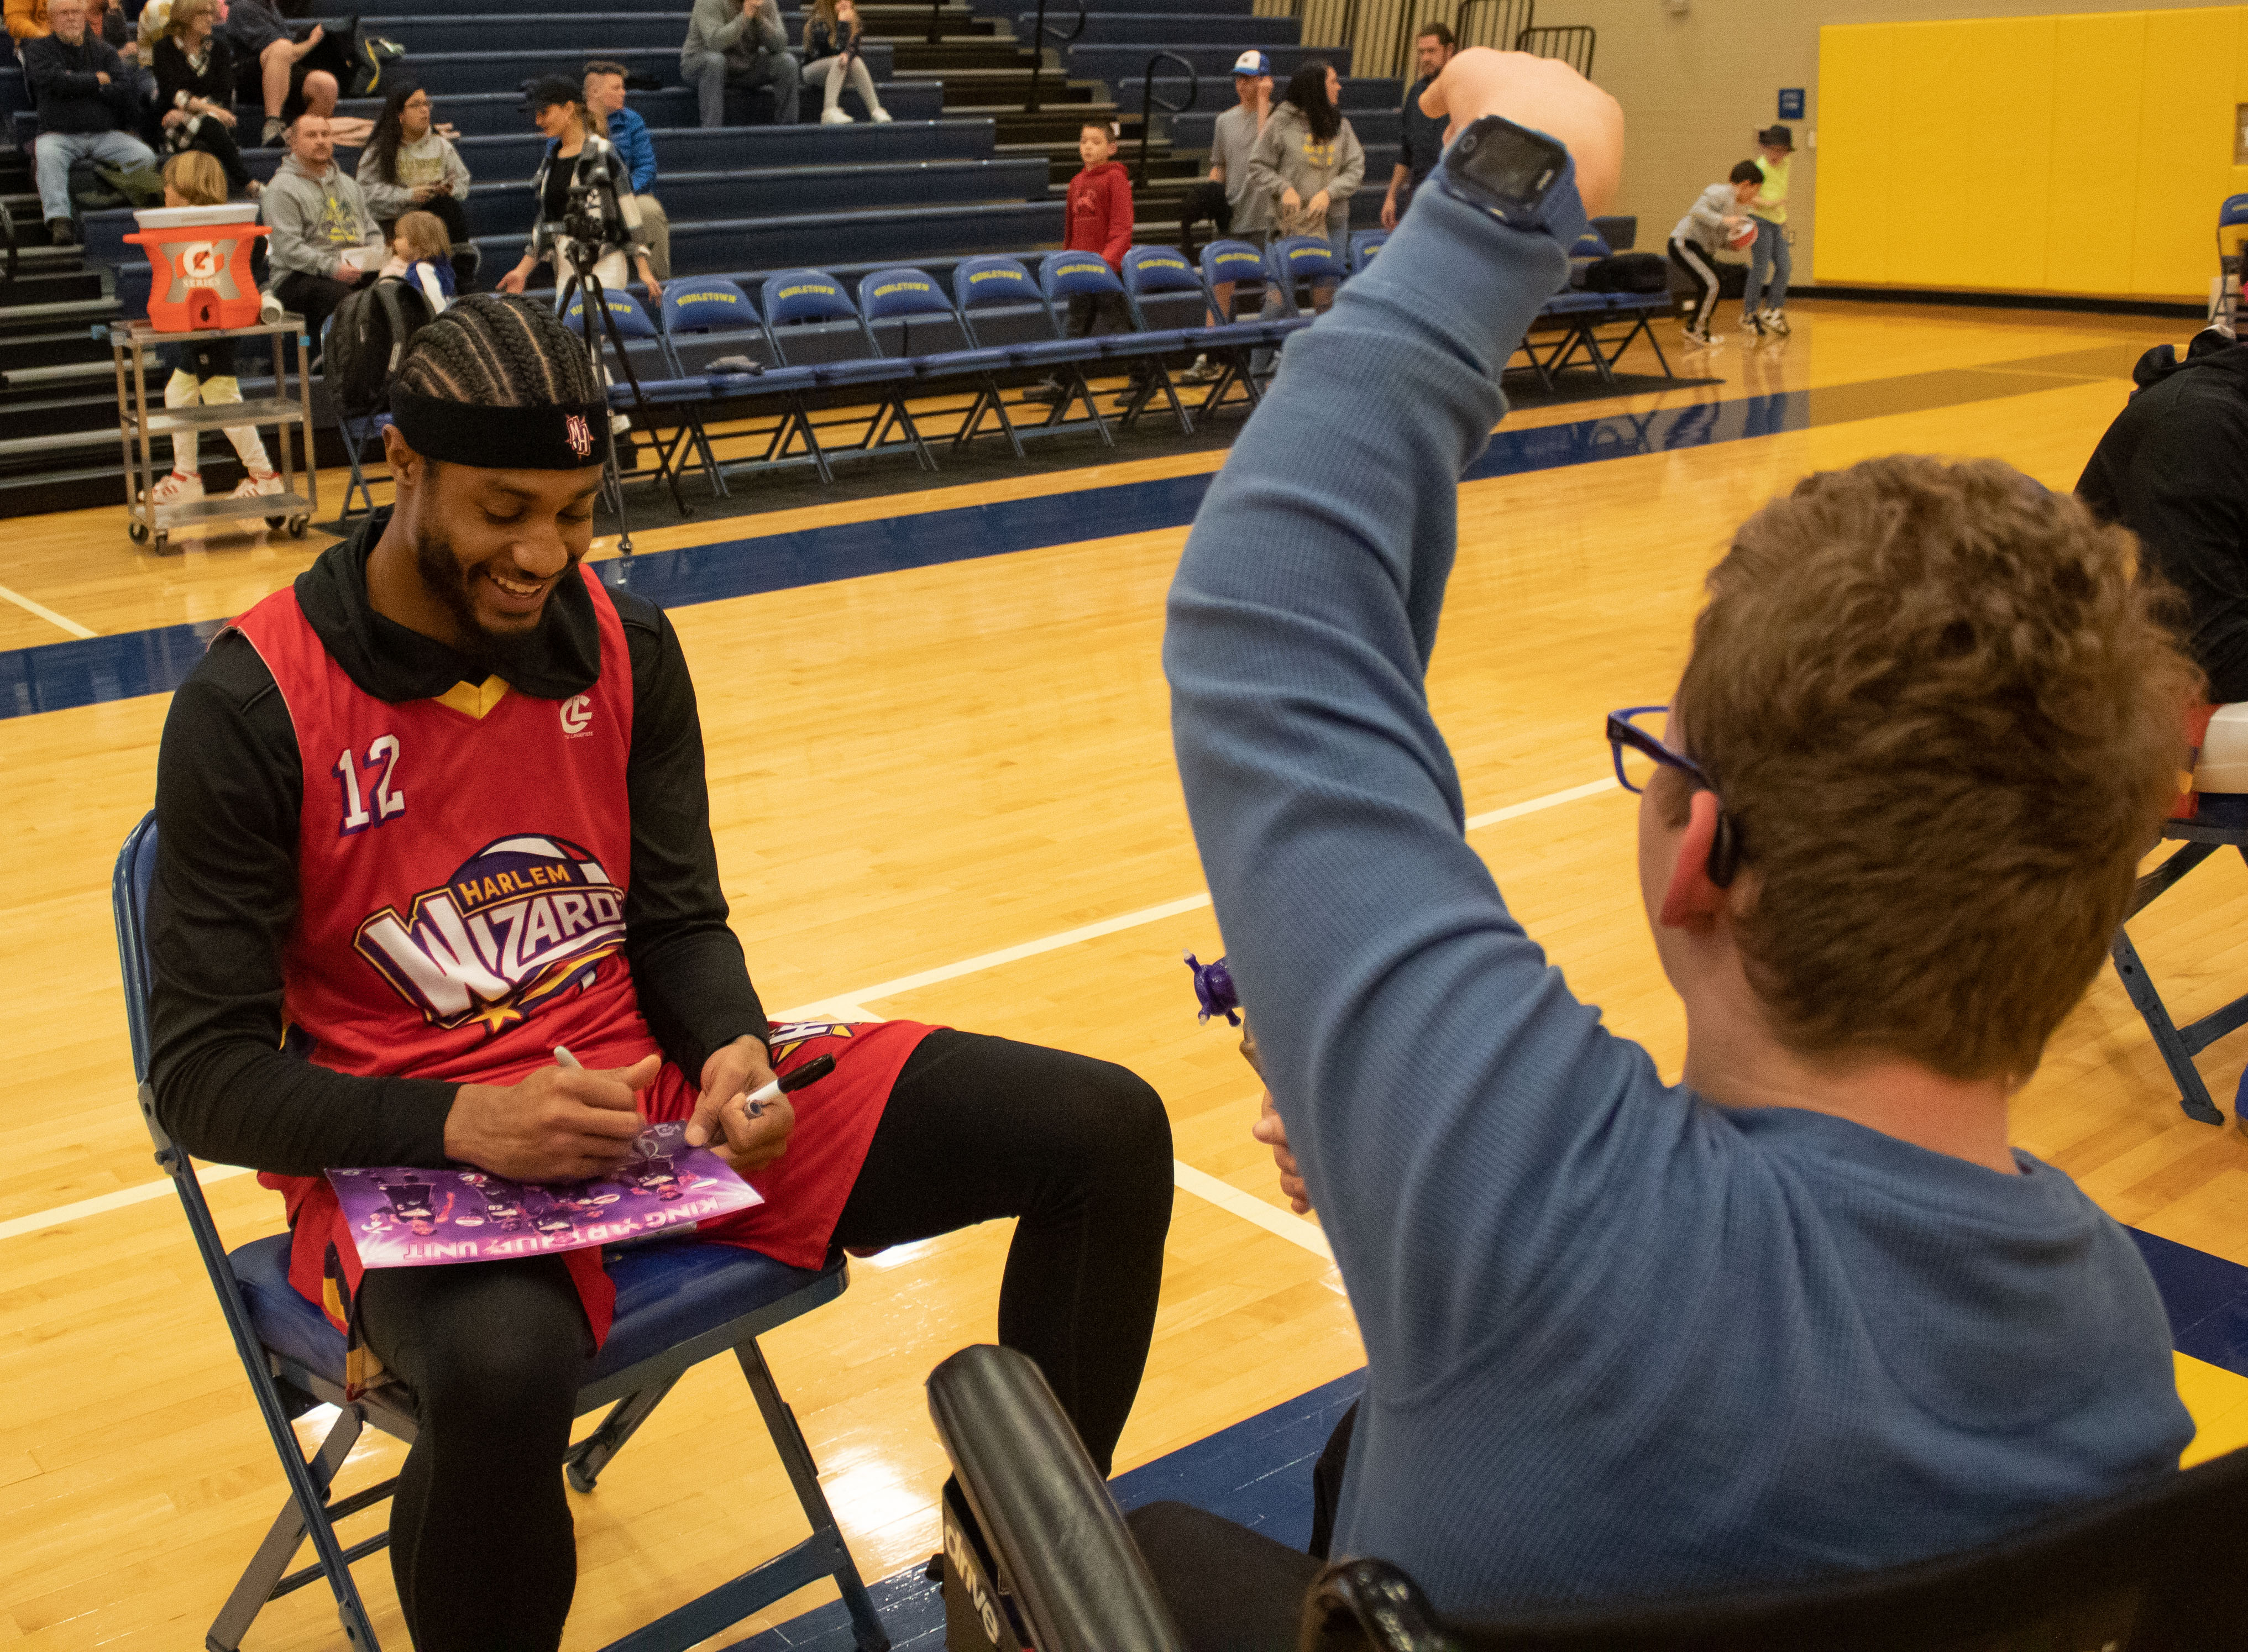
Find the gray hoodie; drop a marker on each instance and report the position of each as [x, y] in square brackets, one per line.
[315, 219]
[742, 33]
[433, 160]
[1288, 157]
[1704, 226]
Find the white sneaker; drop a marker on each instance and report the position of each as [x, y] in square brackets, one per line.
[179, 488]
[257, 487]
[1704, 340]
[834, 118]
[1777, 320]
[1200, 372]
[881, 116]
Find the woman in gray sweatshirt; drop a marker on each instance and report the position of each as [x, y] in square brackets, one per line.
[1308, 161]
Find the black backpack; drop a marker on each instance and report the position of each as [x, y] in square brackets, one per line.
[366, 340]
[1629, 272]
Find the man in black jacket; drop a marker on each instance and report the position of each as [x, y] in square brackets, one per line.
[2174, 469]
[86, 109]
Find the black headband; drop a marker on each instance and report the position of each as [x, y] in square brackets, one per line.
[559, 438]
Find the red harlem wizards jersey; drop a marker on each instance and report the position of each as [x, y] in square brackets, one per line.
[465, 863]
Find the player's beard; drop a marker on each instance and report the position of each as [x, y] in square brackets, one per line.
[444, 577]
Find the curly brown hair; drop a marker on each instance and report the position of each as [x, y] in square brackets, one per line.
[1946, 709]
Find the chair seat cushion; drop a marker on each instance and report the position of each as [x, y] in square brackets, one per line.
[667, 1293]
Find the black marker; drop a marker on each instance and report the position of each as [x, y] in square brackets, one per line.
[810, 1073]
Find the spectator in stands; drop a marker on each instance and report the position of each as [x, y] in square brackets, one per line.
[106, 18]
[739, 43]
[1239, 210]
[194, 89]
[577, 156]
[421, 256]
[1307, 163]
[410, 165]
[1099, 221]
[325, 241]
[202, 369]
[831, 55]
[1886, 1333]
[1423, 135]
[918, 1131]
[1707, 230]
[2172, 468]
[1773, 259]
[87, 111]
[294, 75]
[605, 97]
[27, 19]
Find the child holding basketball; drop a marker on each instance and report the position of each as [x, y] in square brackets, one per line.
[202, 373]
[1716, 222]
[421, 256]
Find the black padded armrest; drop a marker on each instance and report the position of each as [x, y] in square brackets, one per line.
[1061, 1545]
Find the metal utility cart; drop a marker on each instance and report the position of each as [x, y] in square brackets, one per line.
[137, 420]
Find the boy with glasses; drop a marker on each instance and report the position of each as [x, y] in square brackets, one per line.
[1804, 1312]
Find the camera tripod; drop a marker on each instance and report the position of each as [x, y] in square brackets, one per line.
[584, 253]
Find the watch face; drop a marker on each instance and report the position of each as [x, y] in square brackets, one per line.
[1511, 164]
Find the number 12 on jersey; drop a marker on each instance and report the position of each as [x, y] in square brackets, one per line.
[382, 759]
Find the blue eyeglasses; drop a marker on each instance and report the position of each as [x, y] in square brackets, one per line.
[1639, 752]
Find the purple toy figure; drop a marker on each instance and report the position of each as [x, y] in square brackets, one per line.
[1213, 984]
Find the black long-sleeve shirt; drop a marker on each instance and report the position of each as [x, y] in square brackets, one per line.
[2174, 469]
[62, 75]
[230, 789]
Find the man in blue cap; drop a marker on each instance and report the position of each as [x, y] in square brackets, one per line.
[1246, 215]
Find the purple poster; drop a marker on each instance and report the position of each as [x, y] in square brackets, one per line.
[404, 1218]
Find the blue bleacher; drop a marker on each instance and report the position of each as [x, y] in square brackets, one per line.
[590, 33]
[1173, 29]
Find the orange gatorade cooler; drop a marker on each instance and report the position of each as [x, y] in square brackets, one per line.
[200, 257]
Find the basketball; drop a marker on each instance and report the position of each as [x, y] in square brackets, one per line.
[1743, 238]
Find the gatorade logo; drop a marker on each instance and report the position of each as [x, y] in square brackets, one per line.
[200, 264]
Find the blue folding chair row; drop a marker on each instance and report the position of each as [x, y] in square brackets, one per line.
[807, 345]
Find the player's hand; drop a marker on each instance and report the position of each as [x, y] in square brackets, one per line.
[319, 33]
[1543, 93]
[1390, 210]
[1273, 1133]
[560, 1124]
[722, 1122]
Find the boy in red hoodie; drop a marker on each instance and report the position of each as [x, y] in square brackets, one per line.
[1099, 221]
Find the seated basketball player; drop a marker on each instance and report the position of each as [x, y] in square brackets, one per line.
[2173, 469]
[439, 808]
[1806, 1310]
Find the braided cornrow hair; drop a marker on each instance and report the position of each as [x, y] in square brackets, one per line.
[493, 351]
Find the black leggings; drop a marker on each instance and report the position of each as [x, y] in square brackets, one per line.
[977, 1129]
[214, 138]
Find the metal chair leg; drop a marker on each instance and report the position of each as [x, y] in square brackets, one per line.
[804, 1476]
[584, 1462]
[2193, 1093]
[262, 1578]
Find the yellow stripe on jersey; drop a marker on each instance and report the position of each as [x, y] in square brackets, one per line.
[474, 699]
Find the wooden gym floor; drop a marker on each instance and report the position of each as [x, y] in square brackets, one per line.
[944, 791]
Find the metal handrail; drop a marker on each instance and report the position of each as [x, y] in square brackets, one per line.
[1149, 103]
[1565, 38]
[1528, 20]
[937, 23]
[1039, 32]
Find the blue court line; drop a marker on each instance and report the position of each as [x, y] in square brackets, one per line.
[1258, 1473]
[100, 669]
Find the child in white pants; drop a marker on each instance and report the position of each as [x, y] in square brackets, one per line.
[831, 56]
[202, 373]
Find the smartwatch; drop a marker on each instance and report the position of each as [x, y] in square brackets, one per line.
[1518, 174]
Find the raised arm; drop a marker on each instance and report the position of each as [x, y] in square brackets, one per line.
[1434, 1074]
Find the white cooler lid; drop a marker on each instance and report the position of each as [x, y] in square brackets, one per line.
[194, 218]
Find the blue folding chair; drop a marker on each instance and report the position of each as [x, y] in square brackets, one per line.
[1067, 276]
[814, 303]
[1153, 271]
[708, 322]
[357, 430]
[678, 1303]
[1236, 267]
[643, 351]
[995, 282]
[1301, 264]
[902, 296]
[1364, 245]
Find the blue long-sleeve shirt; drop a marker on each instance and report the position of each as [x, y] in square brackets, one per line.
[629, 134]
[1621, 1341]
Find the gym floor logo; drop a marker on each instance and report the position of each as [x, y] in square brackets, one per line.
[577, 715]
[523, 920]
